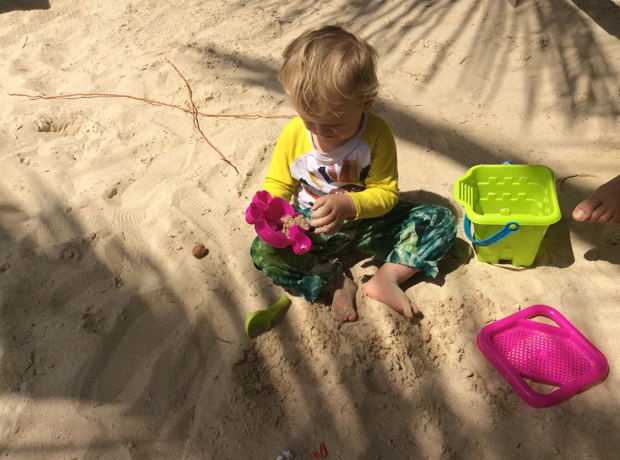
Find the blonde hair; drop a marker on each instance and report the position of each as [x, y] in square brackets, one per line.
[327, 68]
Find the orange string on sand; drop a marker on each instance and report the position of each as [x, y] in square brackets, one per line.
[150, 101]
[195, 117]
[193, 110]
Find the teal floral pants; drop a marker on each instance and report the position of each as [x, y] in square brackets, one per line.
[415, 235]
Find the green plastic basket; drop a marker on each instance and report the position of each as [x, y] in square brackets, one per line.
[511, 207]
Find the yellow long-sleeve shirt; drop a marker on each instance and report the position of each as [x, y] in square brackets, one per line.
[365, 168]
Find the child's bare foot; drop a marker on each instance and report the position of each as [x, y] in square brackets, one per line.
[603, 206]
[344, 299]
[384, 287]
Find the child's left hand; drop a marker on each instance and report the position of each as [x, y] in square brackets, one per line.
[330, 211]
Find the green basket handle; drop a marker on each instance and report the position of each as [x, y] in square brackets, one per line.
[509, 228]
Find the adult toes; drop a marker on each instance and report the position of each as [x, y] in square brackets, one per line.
[600, 214]
[615, 219]
[603, 218]
[583, 211]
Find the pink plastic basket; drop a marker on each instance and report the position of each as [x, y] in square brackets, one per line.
[266, 213]
[560, 356]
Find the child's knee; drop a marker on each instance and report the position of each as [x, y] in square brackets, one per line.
[443, 226]
[441, 217]
[449, 219]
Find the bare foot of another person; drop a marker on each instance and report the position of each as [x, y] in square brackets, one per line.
[384, 287]
[603, 206]
[344, 299]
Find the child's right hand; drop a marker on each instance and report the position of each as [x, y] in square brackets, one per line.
[330, 211]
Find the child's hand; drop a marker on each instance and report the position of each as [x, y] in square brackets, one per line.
[330, 211]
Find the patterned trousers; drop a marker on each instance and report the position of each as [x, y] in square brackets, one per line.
[415, 235]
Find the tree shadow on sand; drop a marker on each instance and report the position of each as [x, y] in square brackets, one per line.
[128, 366]
[394, 391]
[23, 5]
[604, 12]
[154, 382]
[575, 63]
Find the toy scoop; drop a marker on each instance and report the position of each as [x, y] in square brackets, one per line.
[264, 317]
[277, 224]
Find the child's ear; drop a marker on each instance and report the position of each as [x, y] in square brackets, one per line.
[368, 104]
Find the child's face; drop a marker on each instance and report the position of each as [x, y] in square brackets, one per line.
[333, 130]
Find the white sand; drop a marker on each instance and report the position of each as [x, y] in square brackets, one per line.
[116, 343]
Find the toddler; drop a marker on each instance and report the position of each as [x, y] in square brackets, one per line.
[337, 160]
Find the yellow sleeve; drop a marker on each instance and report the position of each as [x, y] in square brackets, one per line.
[292, 143]
[381, 193]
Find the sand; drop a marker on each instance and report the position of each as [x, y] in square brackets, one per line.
[290, 221]
[117, 343]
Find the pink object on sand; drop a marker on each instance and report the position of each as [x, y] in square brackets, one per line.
[266, 213]
[559, 356]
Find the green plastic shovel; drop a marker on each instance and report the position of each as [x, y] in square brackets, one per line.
[264, 317]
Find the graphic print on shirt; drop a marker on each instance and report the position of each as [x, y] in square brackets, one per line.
[348, 188]
[308, 190]
[347, 173]
[342, 172]
[364, 174]
[329, 173]
[296, 156]
[315, 181]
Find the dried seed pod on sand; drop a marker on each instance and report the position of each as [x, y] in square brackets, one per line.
[200, 251]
